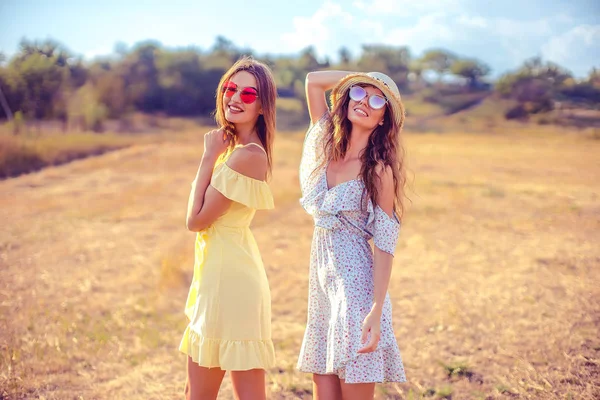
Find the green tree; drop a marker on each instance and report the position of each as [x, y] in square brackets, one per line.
[39, 77]
[187, 87]
[536, 85]
[582, 91]
[439, 61]
[39, 80]
[141, 77]
[110, 89]
[416, 69]
[391, 60]
[222, 44]
[85, 111]
[345, 56]
[307, 61]
[472, 70]
[594, 78]
[223, 54]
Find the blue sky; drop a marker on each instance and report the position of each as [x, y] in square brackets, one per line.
[500, 33]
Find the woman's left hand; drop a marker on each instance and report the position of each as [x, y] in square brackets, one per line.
[372, 327]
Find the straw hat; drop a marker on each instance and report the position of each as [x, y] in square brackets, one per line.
[380, 81]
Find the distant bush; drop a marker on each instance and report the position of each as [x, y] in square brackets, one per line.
[544, 121]
[582, 92]
[84, 110]
[17, 158]
[539, 85]
[18, 123]
[21, 154]
[516, 112]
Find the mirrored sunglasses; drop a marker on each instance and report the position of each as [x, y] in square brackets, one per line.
[376, 102]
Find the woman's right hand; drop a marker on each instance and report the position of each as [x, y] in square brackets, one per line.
[216, 142]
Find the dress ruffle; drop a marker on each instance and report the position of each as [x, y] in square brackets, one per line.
[383, 228]
[229, 355]
[379, 366]
[252, 193]
[322, 202]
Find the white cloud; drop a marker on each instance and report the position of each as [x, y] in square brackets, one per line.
[405, 8]
[318, 29]
[578, 48]
[100, 51]
[473, 21]
[523, 39]
[519, 39]
[371, 28]
[428, 31]
[522, 29]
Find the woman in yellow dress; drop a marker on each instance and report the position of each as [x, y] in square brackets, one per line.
[229, 302]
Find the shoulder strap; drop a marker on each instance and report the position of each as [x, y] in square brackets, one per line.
[257, 145]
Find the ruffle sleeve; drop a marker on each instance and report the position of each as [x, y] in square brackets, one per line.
[385, 229]
[252, 193]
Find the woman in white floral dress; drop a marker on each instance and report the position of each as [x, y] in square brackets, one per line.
[352, 180]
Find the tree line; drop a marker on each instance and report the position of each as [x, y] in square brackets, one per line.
[44, 81]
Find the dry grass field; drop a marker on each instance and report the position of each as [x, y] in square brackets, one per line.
[496, 284]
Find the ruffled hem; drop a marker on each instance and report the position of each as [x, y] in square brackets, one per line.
[382, 365]
[252, 193]
[229, 355]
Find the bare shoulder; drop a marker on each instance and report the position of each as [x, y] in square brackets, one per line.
[385, 191]
[250, 161]
[385, 175]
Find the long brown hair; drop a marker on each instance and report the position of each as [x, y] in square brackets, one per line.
[384, 148]
[267, 95]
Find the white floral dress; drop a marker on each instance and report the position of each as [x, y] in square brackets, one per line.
[341, 275]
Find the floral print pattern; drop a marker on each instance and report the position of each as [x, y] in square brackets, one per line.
[341, 275]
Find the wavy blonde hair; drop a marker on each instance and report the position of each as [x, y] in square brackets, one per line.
[267, 95]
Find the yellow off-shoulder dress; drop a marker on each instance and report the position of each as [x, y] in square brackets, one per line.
[229, 301]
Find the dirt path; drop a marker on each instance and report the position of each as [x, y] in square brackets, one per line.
[496, 278]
